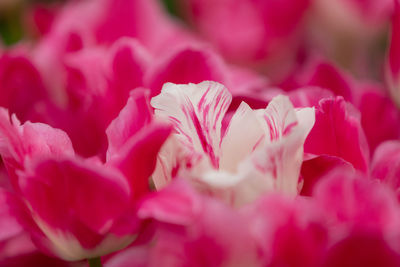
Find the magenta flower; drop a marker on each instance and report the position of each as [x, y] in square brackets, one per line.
[272, 26]
[79, 208]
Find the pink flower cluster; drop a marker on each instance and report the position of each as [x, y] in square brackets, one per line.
[240, 133]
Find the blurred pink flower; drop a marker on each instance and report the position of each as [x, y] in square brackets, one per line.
[364, 218]
[265, 32]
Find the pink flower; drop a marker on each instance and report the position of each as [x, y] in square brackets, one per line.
[96, 88]
[272, 26]
[343, 191]
[288, 232]
[364, 217]
[261, 150]
[79, 208]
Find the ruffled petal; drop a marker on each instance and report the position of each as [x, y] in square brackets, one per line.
[196, 112]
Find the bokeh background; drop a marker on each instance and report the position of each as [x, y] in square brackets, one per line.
[13, 22]
[345, 41]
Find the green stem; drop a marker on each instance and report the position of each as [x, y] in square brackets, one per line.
[95, 262]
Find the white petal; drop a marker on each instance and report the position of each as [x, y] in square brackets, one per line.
[237, 189]
[196, 112]
[243, 135]
[306, 120]
[278, 118]
[281, 158]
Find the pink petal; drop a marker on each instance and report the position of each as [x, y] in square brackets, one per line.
[45, 140]
[312, 170]
[129, 62]
[269, 24]
[19, 143]
[177, 204]
[197, 231]
[98, 84]
[358, 203]
[186, 65]
[9, 225]
[132, 118]
[42, 18]
[309, 96]
[37, 259]
[289, 232]
[326, 75]
[137, 159]
[338, 132]
[133, 257]
[143, 20]
[31, 139]
[73, 196]
[385, 164]
[362, 250]
[376, 106]
[22, 87]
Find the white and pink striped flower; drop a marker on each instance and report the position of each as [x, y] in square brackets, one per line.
[260, 151]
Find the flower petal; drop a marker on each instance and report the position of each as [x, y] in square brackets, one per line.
[238, 143]
[65, 190]
[132, 118]
[137, 159]
[187, 65]
[338, 132]
[196, 112]
[281, 157]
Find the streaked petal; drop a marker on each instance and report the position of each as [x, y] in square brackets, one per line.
[278, 119]
[196, 112]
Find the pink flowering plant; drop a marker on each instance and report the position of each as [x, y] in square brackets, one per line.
[200, 133]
